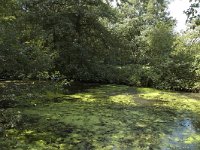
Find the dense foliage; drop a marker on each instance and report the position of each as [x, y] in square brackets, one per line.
[132, 43]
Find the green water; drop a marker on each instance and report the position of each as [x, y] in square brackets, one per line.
[93, 116]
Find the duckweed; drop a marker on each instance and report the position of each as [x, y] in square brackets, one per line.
[103, 117]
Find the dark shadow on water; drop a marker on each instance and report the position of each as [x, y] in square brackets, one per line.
[79, 87]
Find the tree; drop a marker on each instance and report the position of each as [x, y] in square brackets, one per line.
[88, 40]
[22, 50]
[193, 13]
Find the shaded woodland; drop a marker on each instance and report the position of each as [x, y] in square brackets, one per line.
[92, 41]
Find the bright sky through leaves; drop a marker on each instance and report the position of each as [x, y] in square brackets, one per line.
[176, 9]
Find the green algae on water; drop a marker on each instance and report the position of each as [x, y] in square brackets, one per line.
[103, 117]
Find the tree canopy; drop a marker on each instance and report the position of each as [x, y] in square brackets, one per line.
[132, 43]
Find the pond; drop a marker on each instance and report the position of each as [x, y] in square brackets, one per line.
[36, 115]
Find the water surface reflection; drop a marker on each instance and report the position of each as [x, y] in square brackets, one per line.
[184, 135]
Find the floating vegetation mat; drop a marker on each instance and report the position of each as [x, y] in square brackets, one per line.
[38, 116]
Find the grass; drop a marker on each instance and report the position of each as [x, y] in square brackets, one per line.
[98, 117]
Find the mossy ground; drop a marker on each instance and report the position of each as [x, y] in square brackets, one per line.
[110, 117]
